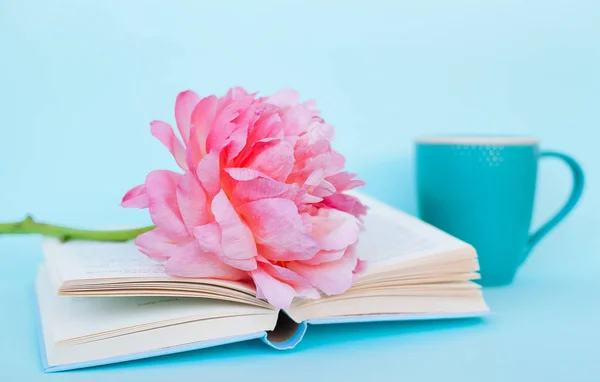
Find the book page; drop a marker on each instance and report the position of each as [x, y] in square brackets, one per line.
[80, 260]
[75, 317]
[392, 236]
[371, 308]
[84, 260]
[143, 340]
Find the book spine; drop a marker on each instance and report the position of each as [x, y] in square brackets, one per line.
[285, 340]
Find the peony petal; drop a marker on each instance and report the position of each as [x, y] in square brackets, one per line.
[344, 181]
[189, 261]
[333, 277]
[136, 198]
[301, 285]
[236, 238]
[296, 119]
[155, 244]
[336, 164]
[325, 257]
[193, 152]
[335, 229]
[307, 222]
[260, 188]
[277, 293]
[309, 165]
[237, 142]
[318, 152]
[317, 130]
[308, 198]
[244, 174]
[346, 203]
[324, 189]
[202, 117]
[322, 129]
[218, 138]
[274, 158]
[224, 126]
[208, 172]
[361, 266]
[208, 237]
[269, 125]
[244, 135]
[161, 187]
[284, 98]
[237, 98]
[164, 133]
[184, 105]
[191, 199]
[311, 104]
[315, 178]
[237, 92]
[276, 224]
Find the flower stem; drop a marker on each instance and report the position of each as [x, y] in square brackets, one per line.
[29, 226]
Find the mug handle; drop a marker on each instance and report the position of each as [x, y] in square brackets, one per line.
[578, 182]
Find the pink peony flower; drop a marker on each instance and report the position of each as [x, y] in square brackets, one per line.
[260, 197]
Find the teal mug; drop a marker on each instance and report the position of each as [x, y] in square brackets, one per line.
[482, 191]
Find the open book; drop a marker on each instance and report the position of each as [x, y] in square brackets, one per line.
[105, 302]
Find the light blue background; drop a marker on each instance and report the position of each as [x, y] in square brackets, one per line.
[80, 80]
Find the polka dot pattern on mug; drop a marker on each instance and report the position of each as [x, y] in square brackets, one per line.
[489, 155]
